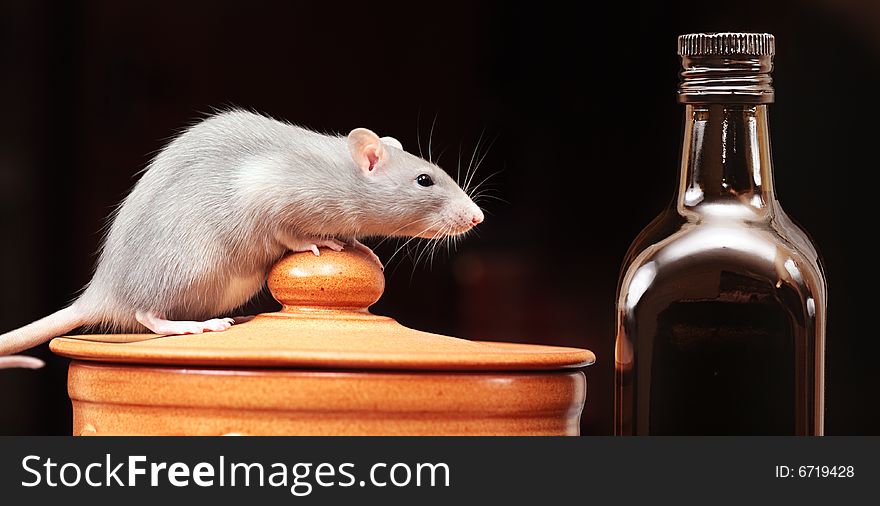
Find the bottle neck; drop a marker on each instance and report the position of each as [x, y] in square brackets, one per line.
[726, 169]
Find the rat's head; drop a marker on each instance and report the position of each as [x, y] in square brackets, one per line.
[417, 197]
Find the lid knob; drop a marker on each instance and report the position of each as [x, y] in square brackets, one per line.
[341, 280]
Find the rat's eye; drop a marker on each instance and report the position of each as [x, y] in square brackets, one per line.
[425, 180]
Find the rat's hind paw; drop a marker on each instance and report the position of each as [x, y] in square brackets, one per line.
[165, 327]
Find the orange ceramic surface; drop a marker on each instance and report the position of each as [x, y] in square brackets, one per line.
[112, 399]
[322, 365]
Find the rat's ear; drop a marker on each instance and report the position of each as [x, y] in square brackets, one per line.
[366, 149]
[391, 141]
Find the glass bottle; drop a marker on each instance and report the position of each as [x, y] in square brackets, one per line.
[721, 300]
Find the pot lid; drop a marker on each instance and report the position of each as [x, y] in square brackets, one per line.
[324, 324]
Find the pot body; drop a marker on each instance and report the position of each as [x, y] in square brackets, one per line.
[113, 399]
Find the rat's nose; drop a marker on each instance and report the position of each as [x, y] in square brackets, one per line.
[477, 218]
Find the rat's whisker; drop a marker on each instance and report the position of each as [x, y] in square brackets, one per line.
[485, 180]
[487, 191]
[472, 169]
[419, 132]
[458, 170]
[485, 185]
[473, 157]
[444, 245]
[427, 246]
[420, 250]
[436, 244]
[480, 161]
[490, 197]
[406, 244]
[396, 265]
[415, 236]
[431, 136]
[413, 257]
[488, 149]
[402, 246]
[398, 229]
[437, 162]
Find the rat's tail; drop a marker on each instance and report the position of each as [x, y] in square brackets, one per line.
[37, 333]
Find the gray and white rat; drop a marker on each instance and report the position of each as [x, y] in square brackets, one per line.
[226, 199]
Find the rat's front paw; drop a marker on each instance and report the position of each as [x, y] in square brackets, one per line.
[313, 245]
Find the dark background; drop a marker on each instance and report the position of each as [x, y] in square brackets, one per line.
[579, 95]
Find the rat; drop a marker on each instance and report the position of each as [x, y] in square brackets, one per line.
[226, 199]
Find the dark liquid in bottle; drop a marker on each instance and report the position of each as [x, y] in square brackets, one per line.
[724, 365]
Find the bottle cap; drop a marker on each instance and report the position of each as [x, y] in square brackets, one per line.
[722, 68]
[726, 44]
